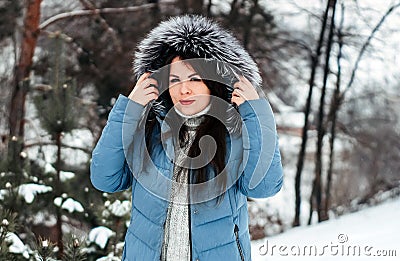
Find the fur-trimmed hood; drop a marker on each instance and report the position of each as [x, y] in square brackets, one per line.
[193, 36]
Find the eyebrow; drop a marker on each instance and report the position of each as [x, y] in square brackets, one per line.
[173, 75]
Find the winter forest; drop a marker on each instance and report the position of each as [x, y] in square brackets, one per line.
[330, 71]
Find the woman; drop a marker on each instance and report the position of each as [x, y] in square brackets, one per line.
[193, 140]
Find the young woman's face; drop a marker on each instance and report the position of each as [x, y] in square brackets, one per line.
[188, 92]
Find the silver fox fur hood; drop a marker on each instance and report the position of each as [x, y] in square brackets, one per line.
[194, 36]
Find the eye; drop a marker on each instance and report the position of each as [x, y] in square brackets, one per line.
[174, 80]
[195, 79]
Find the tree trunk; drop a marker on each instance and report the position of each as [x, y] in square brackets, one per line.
[320, 124]
[312, 204]
[58, 193]
[301, 158]
[21, 83]
[332, 118]
[233, 12]
[248, 24]
[209, 5]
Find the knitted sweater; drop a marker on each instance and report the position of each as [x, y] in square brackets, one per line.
[176, 243]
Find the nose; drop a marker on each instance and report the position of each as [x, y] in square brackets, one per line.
[185, 87]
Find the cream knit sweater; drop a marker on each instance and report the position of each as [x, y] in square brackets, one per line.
[176, 243]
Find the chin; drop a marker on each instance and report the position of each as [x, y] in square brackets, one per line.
[188, 112]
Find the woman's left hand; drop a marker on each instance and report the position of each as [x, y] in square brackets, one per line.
[243, 91]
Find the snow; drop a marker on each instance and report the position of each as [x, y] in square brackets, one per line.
[69, 204]
[43, 218]
[292, 119]
[66, 175]
[370, 231]
[72, 205]
[278, 103]
[120, 209]
[16, 245]
[30, 190]
[48, 168]
[57, 201]
[100, 235]
[79, 137]
[3, 192]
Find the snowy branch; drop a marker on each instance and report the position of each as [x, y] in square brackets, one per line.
[78, 13]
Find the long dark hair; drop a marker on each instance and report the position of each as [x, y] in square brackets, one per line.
[210, 125]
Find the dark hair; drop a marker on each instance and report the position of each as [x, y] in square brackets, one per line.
[211, 125]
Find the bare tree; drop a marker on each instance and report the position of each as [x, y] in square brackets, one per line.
[321, 129]
[339, 96]
[333, 118]
[300, 162]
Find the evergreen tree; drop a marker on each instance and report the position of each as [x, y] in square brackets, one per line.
[74, 249]
[44, 250]
[58, 114]
[9, 248]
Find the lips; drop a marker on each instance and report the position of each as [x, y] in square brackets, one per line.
[186, 102]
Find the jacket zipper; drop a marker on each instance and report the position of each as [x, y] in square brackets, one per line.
[236, 230]
[190, 232]
[190, 216]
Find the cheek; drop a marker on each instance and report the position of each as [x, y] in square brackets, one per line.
[207, 99]
[172, 93]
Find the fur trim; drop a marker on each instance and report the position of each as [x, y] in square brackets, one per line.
[197, 36]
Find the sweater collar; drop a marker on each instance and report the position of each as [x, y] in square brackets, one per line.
[193, 121]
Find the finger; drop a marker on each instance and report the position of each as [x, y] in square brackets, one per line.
[237, 101]
[151, 90]
[238, 92]
[149, 82]
[237, 86]
[143, 77]
[246, 83]
[245, 80]
[145, 83]
[151, 85]
[152, 96]
[236, 96]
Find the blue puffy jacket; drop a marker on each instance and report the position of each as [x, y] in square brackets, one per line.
[218, 231]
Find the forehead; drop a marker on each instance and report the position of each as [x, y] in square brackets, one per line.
[181, 68]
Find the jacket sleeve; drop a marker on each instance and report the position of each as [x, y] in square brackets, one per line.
[261, 168]
[109, 171]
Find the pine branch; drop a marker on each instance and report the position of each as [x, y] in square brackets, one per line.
[74, 250]
[44, 249]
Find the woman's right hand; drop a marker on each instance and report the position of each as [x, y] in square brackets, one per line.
[145, 90]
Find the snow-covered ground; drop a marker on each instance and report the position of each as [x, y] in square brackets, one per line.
[370, 234]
